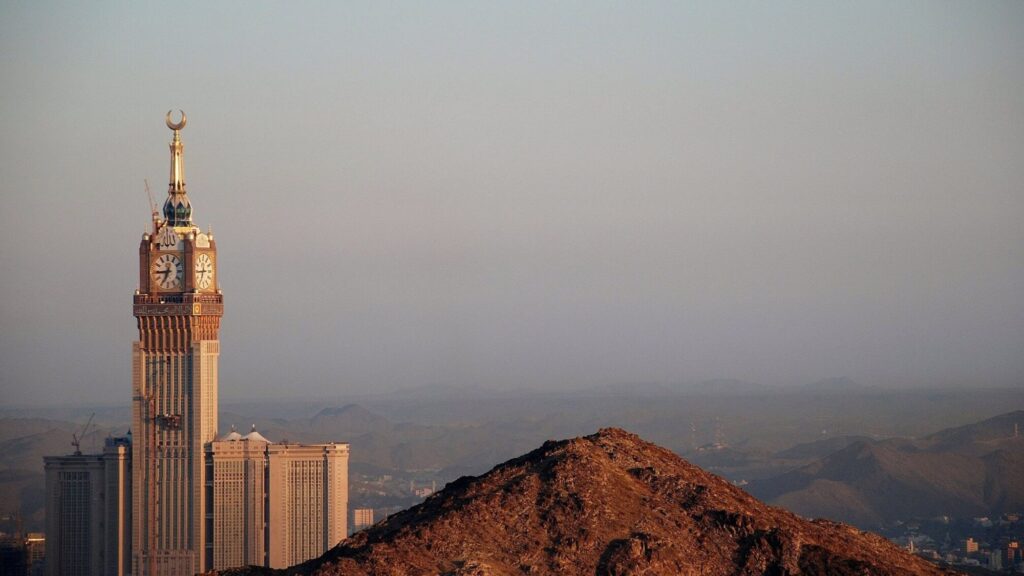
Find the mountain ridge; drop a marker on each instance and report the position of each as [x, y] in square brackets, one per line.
[963, 471]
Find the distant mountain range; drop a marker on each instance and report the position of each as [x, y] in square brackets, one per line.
[818, 453]
[819, 448]
[715, 386]
[974, 470]
[839, 384]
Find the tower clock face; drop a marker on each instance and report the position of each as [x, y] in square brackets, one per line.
[204, 271]
[167, 272]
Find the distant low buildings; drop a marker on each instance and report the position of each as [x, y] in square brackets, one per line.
[424, 491]
[362, 518]
[13, 556]
[22, 555]
[1013, 553]
[995, 560]
[970, 546]
[35, 548]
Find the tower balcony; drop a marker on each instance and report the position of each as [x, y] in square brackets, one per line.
[179, 298]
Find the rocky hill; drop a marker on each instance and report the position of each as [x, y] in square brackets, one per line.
[608, 504]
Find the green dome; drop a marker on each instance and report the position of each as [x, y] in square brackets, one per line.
[178, 210]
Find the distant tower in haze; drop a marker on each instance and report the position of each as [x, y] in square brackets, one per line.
[178, 306]
[88, 512]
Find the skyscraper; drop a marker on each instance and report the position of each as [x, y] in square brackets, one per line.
[279, 504]
[88, 512]
[239, 465]
[307, 501]
[178, 306]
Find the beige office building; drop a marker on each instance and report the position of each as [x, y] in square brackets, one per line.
[308, 500]
[239, 467]
[88, 512]
[276, 505]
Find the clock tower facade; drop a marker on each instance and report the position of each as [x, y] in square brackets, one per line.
[178, 307]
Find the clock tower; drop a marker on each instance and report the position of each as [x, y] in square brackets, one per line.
[178, 306]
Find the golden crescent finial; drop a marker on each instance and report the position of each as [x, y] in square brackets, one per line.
[179, 125]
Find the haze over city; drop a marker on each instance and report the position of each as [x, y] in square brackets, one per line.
[528, 196]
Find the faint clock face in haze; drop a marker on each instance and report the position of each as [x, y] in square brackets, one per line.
[204, 271]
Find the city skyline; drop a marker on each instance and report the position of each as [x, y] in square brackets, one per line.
[525, 196]
[173, 497]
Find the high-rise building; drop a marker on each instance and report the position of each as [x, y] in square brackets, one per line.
[307, 500]
[276, 505]
[174, 384]
[88, 512]
[239, 500]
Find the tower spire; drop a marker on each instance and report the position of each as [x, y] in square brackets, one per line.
[177, 208]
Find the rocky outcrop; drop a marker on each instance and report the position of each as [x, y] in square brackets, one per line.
[608, 504]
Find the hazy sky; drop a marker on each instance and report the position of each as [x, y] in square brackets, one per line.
[539, 195]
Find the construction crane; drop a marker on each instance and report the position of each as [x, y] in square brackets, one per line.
[152, 207]
[76, 439]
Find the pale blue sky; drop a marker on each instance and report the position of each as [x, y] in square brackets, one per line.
[537, 195]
